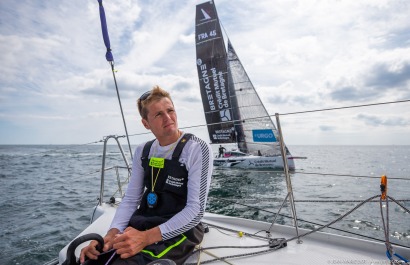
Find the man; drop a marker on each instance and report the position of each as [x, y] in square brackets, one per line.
[221, 151]
[167, 193]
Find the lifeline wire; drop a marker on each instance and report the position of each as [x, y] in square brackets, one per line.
[290, 113]
[293, 113]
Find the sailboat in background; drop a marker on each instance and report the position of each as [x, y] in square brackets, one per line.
[234, 112]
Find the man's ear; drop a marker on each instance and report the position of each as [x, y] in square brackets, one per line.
[145, 123]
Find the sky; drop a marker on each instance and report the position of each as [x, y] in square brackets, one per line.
[57, 88]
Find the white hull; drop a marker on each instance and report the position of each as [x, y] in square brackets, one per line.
[254, 162]
[317, 248]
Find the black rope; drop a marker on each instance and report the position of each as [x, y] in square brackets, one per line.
[407, 200]
[345, 175]
[64, 148]
[235, 256]
[292, 113]
[311, 173]
[397, 202]
[269, 246]
[336, 220]
[347, 107]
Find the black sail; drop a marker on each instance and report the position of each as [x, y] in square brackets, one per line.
[213, 75]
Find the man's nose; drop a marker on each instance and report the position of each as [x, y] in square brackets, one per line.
[166, 116]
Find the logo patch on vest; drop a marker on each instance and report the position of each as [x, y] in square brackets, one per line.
[175, 182]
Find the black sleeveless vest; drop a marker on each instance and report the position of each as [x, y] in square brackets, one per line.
[171, 188]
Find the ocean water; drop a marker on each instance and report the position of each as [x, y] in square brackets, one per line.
[47, 193]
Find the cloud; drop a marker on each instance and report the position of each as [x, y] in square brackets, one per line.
[375, 82]
[375, 121]
[386, 77]
[326, 128]
[352, 94]
[151, 41]
[278, 99]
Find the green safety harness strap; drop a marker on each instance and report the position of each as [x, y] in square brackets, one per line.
[165, 251]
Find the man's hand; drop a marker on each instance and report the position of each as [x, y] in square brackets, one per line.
[91, 251]
[132, 241]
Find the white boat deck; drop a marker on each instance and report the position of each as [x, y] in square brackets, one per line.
[317, 248]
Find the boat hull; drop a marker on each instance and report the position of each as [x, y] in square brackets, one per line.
[254, 162]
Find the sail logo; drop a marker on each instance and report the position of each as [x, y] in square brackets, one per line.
[206, 85]
[263, 136]
[225, 115]
[206, 16]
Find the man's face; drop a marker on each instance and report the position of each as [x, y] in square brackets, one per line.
[161, 118]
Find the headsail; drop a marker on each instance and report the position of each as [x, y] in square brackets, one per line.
[260, 133]
[234, 112]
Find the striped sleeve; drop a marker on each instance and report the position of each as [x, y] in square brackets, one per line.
[199, 164]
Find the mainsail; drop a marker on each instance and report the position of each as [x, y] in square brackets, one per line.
[233, 110]
[213, 75]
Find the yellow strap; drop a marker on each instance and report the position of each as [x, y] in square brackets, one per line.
[165, 251]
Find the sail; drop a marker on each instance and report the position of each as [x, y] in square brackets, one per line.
[213, 75]
[233, 110]
[259, 133]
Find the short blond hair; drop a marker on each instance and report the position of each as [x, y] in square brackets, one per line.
[155, 94]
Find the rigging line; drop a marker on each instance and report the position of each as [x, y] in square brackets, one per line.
[347, 107]
[334, 221]
[122, 112]
[210, 254]
[320, 201]
[182, 128]
[99, 170]
[343, 175]
[219, 228]
[223, 259]
[307, 111]
[300, 112]
[217, 123]
[302, 220]
[269, 115]
[109, 57]
[397, 201]
[66, 147]
[227, 257]
[215, 247]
